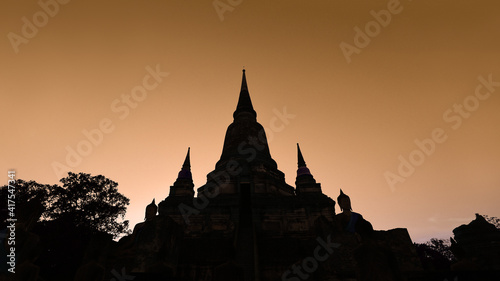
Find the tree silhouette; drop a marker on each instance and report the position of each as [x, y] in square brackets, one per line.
[493, 220]
[435, 254]
[87, 201]
[27, 191]
[90, 201]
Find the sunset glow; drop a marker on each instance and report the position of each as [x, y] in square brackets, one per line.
[395, 102]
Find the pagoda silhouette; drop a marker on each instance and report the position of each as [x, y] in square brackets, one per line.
[246, 223]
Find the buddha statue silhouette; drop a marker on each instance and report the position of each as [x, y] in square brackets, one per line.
[151, 210]
[127, 245]
[350, 221]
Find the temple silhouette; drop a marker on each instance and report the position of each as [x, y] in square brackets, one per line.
[247, 223]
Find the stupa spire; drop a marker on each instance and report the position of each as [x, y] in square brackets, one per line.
[187, 161]
[301, 164]
[300, 158]
[245, 134]
[183, 186]
[185, 172]
[244, 82]
[244, 101]
[305, 182]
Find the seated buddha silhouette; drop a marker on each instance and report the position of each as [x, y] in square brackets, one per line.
[127, 242]
[350, 221]
[151, 211]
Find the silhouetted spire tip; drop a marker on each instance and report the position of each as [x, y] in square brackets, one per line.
[185, 172]
[300, 158]
[187, 161]
[244, 101]
[302, 168]
[244, 82]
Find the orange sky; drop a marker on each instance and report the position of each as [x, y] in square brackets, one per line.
[354, 114]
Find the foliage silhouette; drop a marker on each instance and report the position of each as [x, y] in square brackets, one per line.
[29, 191]
[87, 201]
[493, 220]
[91, 201]
[435, 254]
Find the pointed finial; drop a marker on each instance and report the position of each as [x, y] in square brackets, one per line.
[153, 202]
[187, 161]
[244, 101]
[185, 172]
[300, 158]
[244, 86]
[341, 192]
[302, 168]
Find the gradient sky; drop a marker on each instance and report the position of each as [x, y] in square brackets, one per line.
[353, 119]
